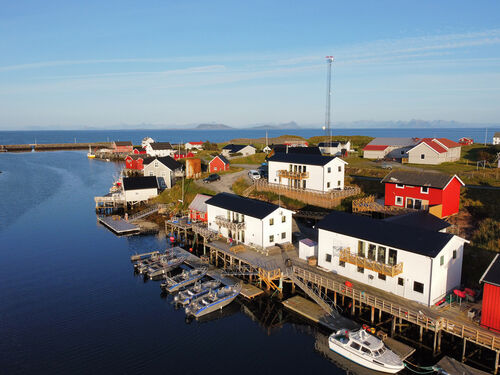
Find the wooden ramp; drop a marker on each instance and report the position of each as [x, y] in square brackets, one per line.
[118, 226]
[402, 350]
[452, 366]
[250, 291]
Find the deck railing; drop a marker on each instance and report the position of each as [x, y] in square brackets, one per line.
[224, 222]
[283, 173]
[372, 265]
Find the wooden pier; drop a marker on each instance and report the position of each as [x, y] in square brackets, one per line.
[118, 226]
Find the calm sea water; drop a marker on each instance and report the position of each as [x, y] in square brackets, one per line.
[175, 136]
[70, 303]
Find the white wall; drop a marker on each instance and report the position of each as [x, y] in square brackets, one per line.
[189, 146]
[375, 154]
[140, 194]
[416, 267]
[158, 153]
[159, 170]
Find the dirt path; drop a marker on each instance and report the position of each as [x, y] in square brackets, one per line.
[225, 182]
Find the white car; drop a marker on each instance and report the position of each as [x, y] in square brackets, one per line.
[253, 174]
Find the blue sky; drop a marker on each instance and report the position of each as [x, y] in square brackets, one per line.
[104, 63]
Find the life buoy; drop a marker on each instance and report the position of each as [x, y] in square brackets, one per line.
[372, 330]
[348, 284]
[365, 327]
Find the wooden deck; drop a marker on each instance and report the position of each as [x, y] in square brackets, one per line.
[118, 226]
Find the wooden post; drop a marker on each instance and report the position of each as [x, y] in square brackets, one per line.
[421, 333]
[463, 350]
[353, 310]
[335, 297]
[293, 287]
[373, 315]
[495, 371]
[379, 315]
[393, 326]
[439, 341]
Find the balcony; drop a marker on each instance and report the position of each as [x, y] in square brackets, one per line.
[372, 265]
[233, 225]
[283, 173]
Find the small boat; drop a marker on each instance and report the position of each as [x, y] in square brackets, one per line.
[213, 301]
[196, 291]
[90, 155]
[141, 257]
[164, 265]
[173, 284]
[366, 350]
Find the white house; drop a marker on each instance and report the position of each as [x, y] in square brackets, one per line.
[434, 151]
[496, 138]
[159, 149]
[194, 145]
[244, 150]
[138, 189]
[146, 141]
[415, 263]
[390, 147]
[249, 221]
[307, 171]
[164, 168]
[334, 148]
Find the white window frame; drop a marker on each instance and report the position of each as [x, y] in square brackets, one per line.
[329, 170]
[426, 189]
[400, 186]
[396, 201]
[422, 156]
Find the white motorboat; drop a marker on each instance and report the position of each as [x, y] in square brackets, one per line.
[215, 300]
[366, 350]
[196, 291]
[173, 284]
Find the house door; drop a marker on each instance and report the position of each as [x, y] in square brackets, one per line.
[303, 184]
[414, 203]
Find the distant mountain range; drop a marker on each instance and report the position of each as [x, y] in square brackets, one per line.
[286, 125]
[213, 127]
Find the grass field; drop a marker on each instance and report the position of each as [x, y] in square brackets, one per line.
[174, 195]
[256, 159]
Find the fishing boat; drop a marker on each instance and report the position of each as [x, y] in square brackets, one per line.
[213, 301]
[164, 265]
[366, 350]
[198, 290]
[90, 155]
[185, 278]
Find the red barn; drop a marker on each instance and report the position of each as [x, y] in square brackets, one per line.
[183, 155]
[465, 141]
[122, 147]
[436, 192]
[198, 208]
[134, 162]
[490, 314]
[218, 164]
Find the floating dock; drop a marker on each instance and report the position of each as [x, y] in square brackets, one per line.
[452, 366]
[118, 226]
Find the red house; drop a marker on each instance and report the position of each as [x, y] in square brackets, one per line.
[218, 164]
[198, 208]
[436, 192]
[490, 314]
[465, 141]
[122, 147]
[139, 151]
[134, 162]
[183, 155]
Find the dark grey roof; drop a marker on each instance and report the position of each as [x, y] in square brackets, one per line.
[222, 158]
[328, 144]
[161, 146]
[123, 143]
[417, 178]
[143, 182]
[415, 240]
[296, 150]
[393, 141]
[419, 219]
[308, 159]
[235, 148]
[246, 206]
[492, 273]
[497, 135]
[167, 161]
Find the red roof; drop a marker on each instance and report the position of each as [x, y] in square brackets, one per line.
[448, 143]
[195, 143]
[375, 148]
[435, 146]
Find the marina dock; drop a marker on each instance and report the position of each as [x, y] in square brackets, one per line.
[118, 226]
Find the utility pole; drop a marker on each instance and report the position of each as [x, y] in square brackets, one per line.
[329, 61]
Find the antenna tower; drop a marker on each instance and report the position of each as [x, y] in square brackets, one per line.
[329, 60]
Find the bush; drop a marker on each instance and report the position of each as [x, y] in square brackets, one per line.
[210, 146]
[487, 236]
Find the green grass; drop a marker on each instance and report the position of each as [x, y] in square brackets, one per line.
[292, 204]
[174, 194]
[240, 185]
[257, 159]
[357, 141]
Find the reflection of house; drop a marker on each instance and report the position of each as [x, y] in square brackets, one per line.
[490, 314]
[496, 138]
[163, 168]
[437, 192]
[218, 164]
[122, 147]
[414, 263]
[138, 189]
[194, 145]
[198, 207]
[249, 221]
[434, 151]
[334, 148]
[244, 150]
[307, 171]
[387, 147]
[159, 149]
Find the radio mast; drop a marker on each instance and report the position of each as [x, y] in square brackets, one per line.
[329, 60]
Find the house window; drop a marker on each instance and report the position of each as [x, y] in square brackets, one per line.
[328, 258]
[422, 156]
[441, 260]
[340, 169]
[327, 184]
[341, 263]
[271, 238]
[418, 287]
[156, 164]
[215, 168]
[361, 249]
[329, 170]
[381, 254]
[151, 173]
[304, 169]
[400, 186]
[361, 269]
[401, 281]
[381, 276]
[399, 201]
[271, 221]
[372, 249]
[393, 257]
[338, 183]
[283, 235]
[454, 254]
[424, 190]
